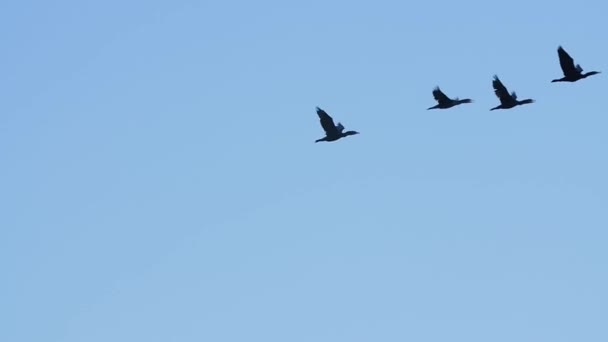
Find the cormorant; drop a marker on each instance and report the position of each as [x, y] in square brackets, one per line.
[445, 102]
[332, 132]
[571, 73]
[506, 100]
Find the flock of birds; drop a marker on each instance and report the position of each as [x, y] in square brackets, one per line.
[572, 73]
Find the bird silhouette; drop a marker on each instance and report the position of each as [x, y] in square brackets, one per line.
[332, 132]
[444, 102]
[571, 73]
[506, 100]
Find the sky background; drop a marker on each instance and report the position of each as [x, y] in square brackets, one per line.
[159, 179]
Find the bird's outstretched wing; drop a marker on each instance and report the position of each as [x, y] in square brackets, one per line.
[440, 96]
[566, 62]
[327, 122]
[500, 90]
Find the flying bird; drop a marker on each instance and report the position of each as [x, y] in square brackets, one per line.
[571, 73]
[444, 102]
[506, 100]
[332, 132]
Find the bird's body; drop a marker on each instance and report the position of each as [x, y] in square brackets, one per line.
[333, 132]
[571, 72]
[444, 102]
[506, 100]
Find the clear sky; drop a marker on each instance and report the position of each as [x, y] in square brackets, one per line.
[159, 179]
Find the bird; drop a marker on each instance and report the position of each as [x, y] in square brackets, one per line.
[506, 100]
[571, 73]
[332, 132]
[444, 102]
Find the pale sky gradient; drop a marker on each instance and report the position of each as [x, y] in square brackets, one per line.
[160, 180]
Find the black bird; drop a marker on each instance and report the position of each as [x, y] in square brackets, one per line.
[571, 73]
[332, 132]
[445, 102]
[506, 100]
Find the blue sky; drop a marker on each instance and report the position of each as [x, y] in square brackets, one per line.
[160, 180]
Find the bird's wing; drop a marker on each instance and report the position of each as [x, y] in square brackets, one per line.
[440, 96]
[500, 90]
[565, 61]
[327, 122]
[340, 127]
